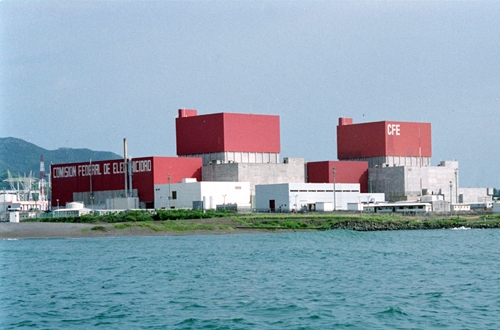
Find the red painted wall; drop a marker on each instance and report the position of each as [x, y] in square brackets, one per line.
[220, 132]
[346, 172]
[108, 175]
[384, 138]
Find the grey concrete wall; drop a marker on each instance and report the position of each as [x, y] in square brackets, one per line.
[387, 180]
[408, 182]
[473, 195]
[220, 172]
[414, 177]
[436, 179]
[440, 206]
[99, 197]
[291, 172]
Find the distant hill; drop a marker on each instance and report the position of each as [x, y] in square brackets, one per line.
[19, 156]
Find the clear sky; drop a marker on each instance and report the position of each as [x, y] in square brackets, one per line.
[88, 74]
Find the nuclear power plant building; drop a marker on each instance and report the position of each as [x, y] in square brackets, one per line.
[385, 161]
[399, 161]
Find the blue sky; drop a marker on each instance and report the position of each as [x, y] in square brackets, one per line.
[88, 74]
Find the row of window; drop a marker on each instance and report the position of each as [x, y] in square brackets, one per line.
[294, 190]
[174, 193]
[411, 207]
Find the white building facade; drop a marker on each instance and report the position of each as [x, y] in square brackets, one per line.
[191, 194]
[290, 197]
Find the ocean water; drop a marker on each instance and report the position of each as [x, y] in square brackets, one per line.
[337, 279]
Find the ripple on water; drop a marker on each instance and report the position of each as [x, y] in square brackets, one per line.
[340, 279]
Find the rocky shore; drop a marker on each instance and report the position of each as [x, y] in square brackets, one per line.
[362, 225]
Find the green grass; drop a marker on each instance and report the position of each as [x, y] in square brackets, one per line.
[102, 228]
[362, 222]
[138, 216]
[280, 222]
[176, 226]
[491, 217]
[170, 220]
[123, 225]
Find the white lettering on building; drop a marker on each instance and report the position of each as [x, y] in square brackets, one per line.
[106, 168]
[87, 170]
[141, 166]
[64, 172]
[117, 168]
[100, 169]
[393, 129]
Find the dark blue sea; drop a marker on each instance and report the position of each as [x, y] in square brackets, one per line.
[427, 279]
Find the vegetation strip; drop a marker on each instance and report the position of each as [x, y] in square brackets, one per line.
[170, 225]
[188, 220]
[137, 216]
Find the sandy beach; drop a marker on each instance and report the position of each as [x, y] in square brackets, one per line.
[10, 230]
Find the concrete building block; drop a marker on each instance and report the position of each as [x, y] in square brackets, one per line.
[402, 182]
[255, 173]
[474, 195]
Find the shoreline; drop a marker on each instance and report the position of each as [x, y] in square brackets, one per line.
[34, 230]
[217, 226]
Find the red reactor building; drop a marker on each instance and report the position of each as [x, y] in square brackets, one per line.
[106, 178]
[226, 132]
[392, 142]
[345, 172]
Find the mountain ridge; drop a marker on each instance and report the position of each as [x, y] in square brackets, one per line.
[22, 157]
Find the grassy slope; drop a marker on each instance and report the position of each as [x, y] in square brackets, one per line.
[183, 221]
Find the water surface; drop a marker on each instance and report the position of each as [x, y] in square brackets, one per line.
[334, 279]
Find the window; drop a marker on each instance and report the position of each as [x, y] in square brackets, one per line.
[174, 194]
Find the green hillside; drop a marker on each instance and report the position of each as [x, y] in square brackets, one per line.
[19, 156]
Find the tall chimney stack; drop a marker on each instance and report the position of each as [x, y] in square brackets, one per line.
[125, 167]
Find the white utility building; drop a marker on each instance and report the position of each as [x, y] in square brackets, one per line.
[191, 194]
[73, 209]
[289, 197]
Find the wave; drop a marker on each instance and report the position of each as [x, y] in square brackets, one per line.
[461, 228]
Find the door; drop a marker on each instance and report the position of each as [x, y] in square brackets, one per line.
[272, 205]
